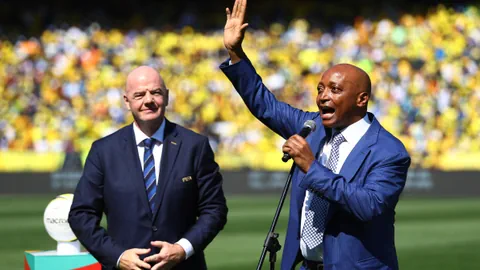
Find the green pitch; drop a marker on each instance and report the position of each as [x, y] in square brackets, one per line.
[431, 233]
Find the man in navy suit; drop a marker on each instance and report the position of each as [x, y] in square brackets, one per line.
[158, 185]
[349, 173]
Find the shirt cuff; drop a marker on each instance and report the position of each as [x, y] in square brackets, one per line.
[187, 246]
[118, 261]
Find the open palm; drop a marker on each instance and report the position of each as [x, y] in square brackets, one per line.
[235, 27]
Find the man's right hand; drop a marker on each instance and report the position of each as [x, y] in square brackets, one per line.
[234, 30]
[130, 259]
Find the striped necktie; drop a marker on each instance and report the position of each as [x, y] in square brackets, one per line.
[149, 172]
[314, 227]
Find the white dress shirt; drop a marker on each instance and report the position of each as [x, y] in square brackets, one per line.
[157, 157]
[352, 135]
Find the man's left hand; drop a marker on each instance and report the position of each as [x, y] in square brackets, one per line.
[168, 257]
[298, 148]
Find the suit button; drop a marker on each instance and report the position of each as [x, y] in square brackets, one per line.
[154, 228]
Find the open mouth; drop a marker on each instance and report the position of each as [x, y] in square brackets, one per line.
[327, 111]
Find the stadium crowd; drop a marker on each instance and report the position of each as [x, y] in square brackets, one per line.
[63, 89]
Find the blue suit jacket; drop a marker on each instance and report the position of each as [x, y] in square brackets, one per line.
[112, 183]
[360, 223]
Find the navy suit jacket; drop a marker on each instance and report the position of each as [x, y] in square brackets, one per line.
[360, 222]
[190, 200]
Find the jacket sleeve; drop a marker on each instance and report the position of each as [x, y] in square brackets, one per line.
[87, 209]
[280, 117]
[381, 191]
[212, 209]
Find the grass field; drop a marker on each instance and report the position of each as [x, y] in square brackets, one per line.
[431, 233]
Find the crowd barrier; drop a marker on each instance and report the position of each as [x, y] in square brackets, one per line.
[420, 182]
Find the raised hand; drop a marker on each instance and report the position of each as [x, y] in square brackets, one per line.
[234, 30]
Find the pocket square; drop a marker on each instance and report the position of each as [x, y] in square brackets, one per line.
[186, 179]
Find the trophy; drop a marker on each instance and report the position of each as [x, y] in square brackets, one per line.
[68, 254]
[55, 219]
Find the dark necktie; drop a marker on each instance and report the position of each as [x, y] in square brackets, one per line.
[149, 172]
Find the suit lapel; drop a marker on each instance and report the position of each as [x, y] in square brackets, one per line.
[135, 175]
[360, 151]
[171, 147]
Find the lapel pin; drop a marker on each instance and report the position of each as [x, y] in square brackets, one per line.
[186, 179]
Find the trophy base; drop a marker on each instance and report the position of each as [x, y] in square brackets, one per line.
[51, 260]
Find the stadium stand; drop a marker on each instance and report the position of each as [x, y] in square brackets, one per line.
[62, 89]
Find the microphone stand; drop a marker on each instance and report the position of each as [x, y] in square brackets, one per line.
[271, 243]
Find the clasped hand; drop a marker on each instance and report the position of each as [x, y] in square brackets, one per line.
[168, 257]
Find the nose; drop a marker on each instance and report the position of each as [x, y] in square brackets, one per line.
[323, 96]
[148, 98]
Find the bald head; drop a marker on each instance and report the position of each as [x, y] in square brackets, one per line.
[143, 75]
[343, 94]
[146, 96]
[356, 76]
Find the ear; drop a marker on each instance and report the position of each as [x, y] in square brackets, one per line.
[362, 99]
[166, 97]
[127, 104]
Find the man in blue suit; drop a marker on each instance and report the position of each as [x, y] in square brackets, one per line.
[156, 182]
[349, 173]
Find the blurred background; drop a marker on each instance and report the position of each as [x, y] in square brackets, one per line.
[62, 74]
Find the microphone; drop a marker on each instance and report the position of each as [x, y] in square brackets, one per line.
[308, 127]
